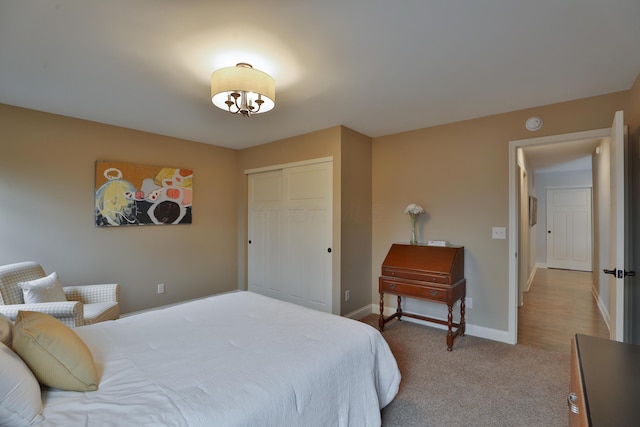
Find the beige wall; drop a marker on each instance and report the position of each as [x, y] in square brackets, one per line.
[634, 110]
[323, 143]
[351, 152]
[47, 175]
[459, 174]
[356, 220]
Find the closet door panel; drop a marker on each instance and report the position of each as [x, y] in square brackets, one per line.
[265, 234]
[290, 229]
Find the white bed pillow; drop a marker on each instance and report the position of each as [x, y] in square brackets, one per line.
[20, 399]
[45, 289]
[6, 331]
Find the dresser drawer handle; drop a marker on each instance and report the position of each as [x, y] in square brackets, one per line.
[392, 286]
[571, 402]
[433, 293]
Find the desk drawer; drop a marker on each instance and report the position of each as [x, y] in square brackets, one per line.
[411, 290]
[443, 279]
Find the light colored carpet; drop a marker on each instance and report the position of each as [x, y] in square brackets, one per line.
[479, 383]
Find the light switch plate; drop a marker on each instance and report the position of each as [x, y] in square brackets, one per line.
[499, 233]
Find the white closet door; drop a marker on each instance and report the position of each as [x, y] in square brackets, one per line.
[308, 234]
[265, 230]
[302, 237]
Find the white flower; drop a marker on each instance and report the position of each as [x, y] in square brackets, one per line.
[413, 209]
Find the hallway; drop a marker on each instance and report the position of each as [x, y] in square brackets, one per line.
[559, 304]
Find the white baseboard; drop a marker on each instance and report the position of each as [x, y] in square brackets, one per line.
[473, 330]
[360, 313]
[603, 309]
[531, 276]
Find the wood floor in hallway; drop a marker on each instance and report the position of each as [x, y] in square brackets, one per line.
[558, 305]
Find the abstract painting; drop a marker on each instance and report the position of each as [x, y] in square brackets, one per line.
[133, 194]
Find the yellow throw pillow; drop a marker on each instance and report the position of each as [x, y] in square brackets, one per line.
[6, 331]
[55, 354]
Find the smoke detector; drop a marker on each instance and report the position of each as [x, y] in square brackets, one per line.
[533, 123]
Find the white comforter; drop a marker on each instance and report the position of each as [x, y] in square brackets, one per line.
[237, 359]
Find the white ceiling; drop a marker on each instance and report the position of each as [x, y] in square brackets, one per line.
[561, 156]
[378, 67]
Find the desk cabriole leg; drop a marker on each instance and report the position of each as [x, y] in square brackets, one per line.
[450, 327]
[381, 318]
[399, 309]
[462, 324]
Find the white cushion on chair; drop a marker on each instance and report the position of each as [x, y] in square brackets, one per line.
[45, 289]
[101, 311]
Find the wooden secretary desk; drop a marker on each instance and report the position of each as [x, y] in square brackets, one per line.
[433, 273]
[605, 383]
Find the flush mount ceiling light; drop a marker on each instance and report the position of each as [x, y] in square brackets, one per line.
[243, 89]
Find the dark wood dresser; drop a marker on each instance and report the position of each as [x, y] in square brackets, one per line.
[605, 383]
[433, 273]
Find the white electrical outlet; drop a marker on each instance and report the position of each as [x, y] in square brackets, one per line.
[499, 233]
[160, 288]
[347, 295]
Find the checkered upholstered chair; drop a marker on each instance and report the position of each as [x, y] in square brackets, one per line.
[85, 304]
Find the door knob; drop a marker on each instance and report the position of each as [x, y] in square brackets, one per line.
[620, 274]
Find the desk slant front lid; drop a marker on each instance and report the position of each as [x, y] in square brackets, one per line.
[445, 262]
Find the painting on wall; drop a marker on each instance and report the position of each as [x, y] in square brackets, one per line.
[533, 211]
[132, 194]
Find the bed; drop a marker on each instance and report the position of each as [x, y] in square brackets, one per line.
[237, 359]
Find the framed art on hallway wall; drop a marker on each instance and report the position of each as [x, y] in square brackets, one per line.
[533, 211]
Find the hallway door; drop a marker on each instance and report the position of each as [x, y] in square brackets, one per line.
[569, 229]
[619, 265]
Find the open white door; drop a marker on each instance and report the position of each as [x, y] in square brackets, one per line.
[618, 260]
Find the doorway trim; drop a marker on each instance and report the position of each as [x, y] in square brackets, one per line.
[514, 237]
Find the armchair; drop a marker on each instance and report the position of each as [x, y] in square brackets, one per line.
[85, 305]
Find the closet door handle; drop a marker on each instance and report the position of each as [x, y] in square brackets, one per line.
[329, 250]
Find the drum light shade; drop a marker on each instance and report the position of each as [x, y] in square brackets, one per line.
[243, 89]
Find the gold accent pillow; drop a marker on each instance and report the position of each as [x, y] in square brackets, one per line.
[6, 331]
[56, 355]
